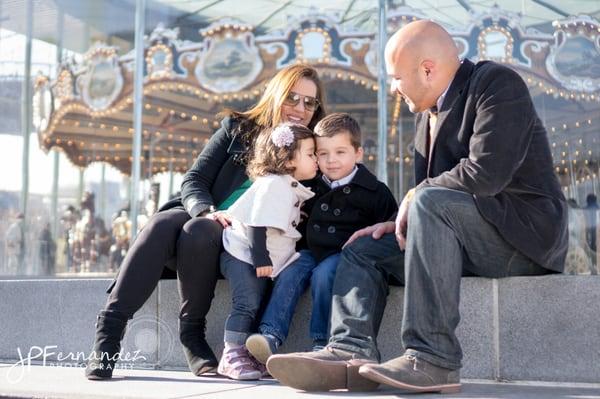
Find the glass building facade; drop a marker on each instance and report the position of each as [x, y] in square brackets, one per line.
[68, 72]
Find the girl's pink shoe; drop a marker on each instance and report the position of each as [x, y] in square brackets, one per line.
[238, 364]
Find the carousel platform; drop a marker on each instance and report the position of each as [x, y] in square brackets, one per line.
[542, 329]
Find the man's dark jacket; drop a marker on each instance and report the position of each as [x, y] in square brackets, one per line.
[490, 142]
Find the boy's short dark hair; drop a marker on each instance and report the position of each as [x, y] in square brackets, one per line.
[337, 122]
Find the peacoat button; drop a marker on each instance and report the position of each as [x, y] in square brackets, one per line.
[297, 204]
[324, 207]
[347, 190]
[337, 212]
[316, 227]
[294, 184]
[331, 229]
[294, 223]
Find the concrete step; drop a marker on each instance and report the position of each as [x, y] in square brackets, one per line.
[521, 328]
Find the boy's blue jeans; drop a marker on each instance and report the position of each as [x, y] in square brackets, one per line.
[288, 288]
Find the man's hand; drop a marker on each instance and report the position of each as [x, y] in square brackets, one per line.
[402, 219]
[264, 271]
[219, 216]
[376, 231]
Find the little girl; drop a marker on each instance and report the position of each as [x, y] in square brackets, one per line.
[262, 237]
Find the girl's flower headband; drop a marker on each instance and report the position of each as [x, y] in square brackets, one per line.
[282, 136]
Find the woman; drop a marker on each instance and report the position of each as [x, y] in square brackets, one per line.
[189, 228]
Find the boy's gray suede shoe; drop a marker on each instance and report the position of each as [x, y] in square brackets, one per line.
[325, 370]
[262, 346]
[413, 374]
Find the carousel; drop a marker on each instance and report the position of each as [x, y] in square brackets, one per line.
[87, 111]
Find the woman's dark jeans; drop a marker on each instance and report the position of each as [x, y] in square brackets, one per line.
[171, 236]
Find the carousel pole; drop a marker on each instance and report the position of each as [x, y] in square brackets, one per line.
[26, 113]
[102, 210]
[171, 177]
[56, 168]
[140, 10]
[55, 212]
[382, 97]
[400, 154]
[80, 185]
[574, 192]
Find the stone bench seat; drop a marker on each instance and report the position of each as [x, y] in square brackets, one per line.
[543, 328]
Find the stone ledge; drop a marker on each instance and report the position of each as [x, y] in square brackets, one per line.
[550, 328]
[521, 328]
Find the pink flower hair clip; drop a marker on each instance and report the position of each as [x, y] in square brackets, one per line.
[282, 136]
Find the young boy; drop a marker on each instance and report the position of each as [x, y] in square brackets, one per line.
[348, 198]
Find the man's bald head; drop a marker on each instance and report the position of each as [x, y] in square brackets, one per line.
[423, 56]
[422, 39]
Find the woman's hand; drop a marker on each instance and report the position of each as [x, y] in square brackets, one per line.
[264, 271]
[220, 216]
[303, 216]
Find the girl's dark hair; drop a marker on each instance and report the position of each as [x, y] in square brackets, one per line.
[268, 158]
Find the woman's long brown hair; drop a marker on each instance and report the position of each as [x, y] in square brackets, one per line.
[267, 112]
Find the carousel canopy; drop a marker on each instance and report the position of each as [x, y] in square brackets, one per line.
[87, 110]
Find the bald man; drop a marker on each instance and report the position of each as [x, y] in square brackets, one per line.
[486, 203]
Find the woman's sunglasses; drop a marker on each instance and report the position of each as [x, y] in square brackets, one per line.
[293, 99]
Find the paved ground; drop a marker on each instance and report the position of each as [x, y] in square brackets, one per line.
[62, 382]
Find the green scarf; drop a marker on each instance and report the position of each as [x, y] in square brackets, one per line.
[237, 193]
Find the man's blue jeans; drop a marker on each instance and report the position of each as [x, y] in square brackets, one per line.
[447, 237]
[289, 286]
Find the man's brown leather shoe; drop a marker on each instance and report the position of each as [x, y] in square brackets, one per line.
[413, 374]
[325, 370]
